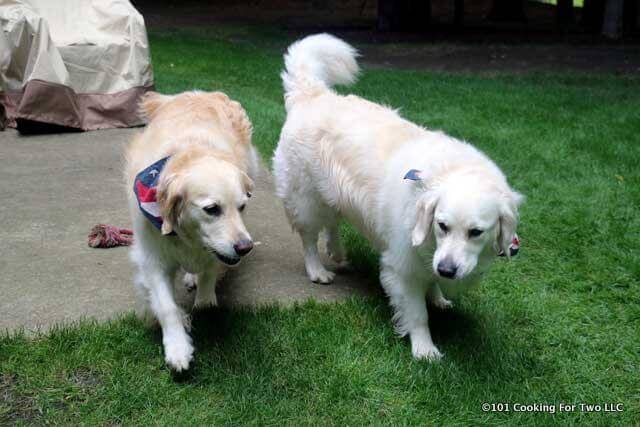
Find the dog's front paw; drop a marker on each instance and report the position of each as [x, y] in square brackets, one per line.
[336, 256]
[442, 303]
[205, 300]
[425, 351]
[342, 264]
[322, 276]
[190, 282]
[178, 354]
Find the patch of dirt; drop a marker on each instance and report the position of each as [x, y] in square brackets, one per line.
[15, 407]
[19, 408]
[85, 379]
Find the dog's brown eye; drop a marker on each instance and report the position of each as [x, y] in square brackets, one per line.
[443, 226]
[475, 232]
[214, 210]
[249, 194]
[241, 208]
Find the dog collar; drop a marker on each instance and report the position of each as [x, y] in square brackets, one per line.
[413, 175]
[145, 188]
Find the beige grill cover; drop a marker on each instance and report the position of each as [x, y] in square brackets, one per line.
[79, 64]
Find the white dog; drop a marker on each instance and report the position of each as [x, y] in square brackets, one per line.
[189, 176]
[437, 209]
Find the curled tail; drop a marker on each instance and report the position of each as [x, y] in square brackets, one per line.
[316, 63]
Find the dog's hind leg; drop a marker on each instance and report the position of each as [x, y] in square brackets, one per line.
[306, 211]
[308, 217]
[312, 263]
[335, 249]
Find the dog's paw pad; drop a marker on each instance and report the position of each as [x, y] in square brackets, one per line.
[426, 352]
[190, 282]
[323, 277]
[342, 264]
[205, 304]
[336, 257]
[443, 303]
[178, 357]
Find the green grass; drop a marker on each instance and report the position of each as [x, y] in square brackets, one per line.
[557, 324]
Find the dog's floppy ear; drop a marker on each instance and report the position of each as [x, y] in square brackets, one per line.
[508, 221]
[170, 200]
[425, 209]
[151, 102]
[247, 183]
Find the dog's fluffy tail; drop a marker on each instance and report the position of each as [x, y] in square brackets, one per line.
[316, 63]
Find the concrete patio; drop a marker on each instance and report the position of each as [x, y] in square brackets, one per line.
[54, 188]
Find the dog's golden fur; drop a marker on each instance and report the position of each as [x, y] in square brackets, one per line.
[214, 116]
[201, 194]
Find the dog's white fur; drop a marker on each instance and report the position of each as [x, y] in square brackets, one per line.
[208, 137]
[343, 156]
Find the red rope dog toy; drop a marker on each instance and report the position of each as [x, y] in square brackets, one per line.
[108, 236]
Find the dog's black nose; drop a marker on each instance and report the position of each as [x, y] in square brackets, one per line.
[447, 269]
[243, 247]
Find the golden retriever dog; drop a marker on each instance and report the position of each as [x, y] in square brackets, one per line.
[189, 176]
[437, 209]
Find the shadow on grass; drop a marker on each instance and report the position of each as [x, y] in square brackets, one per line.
[256, 342]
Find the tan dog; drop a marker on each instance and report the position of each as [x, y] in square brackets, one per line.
[189, 176]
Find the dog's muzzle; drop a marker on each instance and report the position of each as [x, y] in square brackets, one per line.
[243, 247]
[447, 268]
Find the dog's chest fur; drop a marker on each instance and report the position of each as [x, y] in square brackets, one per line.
[195, 261]
[175, 251]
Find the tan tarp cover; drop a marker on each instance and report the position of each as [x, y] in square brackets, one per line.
[75, 63]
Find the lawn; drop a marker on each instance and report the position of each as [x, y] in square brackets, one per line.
[558, 324]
